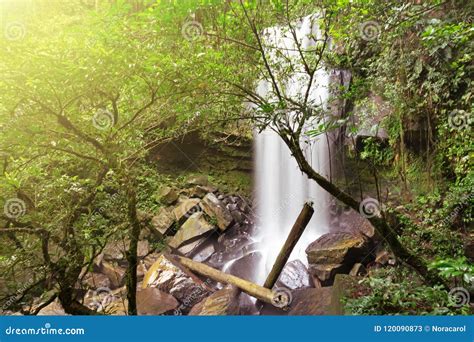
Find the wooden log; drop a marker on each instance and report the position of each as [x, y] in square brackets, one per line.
[290, 243]
[246, 286]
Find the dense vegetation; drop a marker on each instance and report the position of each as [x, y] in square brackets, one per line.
[91, 88]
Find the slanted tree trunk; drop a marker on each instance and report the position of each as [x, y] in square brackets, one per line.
[290, 243]
[380, 224]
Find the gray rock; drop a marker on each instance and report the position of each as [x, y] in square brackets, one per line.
[294, 275]
[194, 227]
[205, 253]
[215, 208]
[169, 276]
[245, 267]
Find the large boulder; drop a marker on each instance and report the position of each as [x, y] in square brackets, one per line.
[294, 275]
[311, 302]
[163, 221]
[169, 276]
[245, 266]
[221, 303]
[185, 209]
[335, 253]
[151, 301]
[216, 209]
[194, 227]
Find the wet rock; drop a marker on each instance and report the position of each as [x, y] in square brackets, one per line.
[230, 248]
[185, 209]
[353, 222]
[151, 301]
[216, 209]
[191, 247]
[194, 227]
[221, 303]
[171, 277]
[358, 270]
[311, 302]
[337, 248]
[245, 267]
[163, 221]
[294, 275]
[204, 253]
[167, 195]
[53, 309]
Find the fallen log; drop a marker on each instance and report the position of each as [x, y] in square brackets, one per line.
[254, 290]
[290, 243]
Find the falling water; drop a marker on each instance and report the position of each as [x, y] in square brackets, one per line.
[280, 187]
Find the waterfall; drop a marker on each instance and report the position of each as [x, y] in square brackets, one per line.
[281, 189]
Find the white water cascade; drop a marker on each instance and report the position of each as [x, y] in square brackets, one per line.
[281, 189]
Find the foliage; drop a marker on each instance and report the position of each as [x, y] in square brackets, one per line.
[396, 292]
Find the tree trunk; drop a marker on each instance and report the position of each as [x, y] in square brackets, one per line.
[132, 258]
[246, 286]
[290, 243]
[380, 225]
